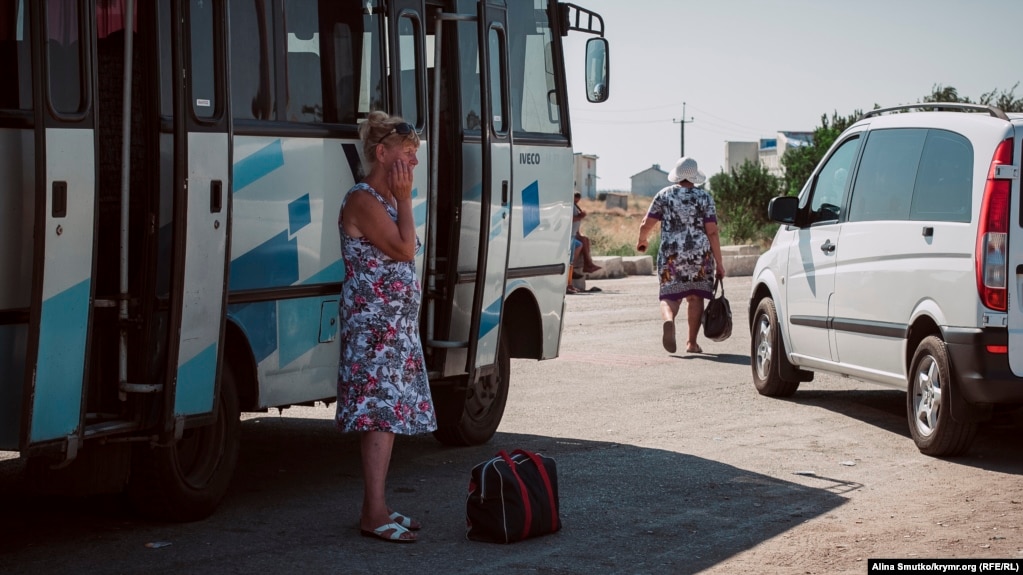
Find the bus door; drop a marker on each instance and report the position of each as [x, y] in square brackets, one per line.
[201, 212]
[495, 199]
[62, 212]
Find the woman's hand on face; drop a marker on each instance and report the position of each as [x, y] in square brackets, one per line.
[400, 180]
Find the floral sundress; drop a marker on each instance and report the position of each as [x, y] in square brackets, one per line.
[685, 262]
[381, 378]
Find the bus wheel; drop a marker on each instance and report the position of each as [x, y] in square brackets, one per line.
[471, 417]
[186, 480]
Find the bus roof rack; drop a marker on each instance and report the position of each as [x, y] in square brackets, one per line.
[938, 106]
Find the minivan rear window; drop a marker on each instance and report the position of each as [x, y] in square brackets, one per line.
[944, 182]
[913, 174]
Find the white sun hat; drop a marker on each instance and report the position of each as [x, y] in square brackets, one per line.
[685, 169]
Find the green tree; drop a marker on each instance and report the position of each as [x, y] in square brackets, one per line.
[1005, 100]
[741, 198]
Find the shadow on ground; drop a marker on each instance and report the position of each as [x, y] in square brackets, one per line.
[995, 448]
[294, 505]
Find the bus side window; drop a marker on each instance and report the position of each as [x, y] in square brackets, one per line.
[252, 77]
[409, 60]
[305, 90]
[534, 88]
[62, 46]
[469, 75]
[15, 56]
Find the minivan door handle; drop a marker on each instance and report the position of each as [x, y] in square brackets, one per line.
[828, 247]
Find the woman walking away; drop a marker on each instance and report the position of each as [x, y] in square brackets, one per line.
[382, 389]
[689, 259]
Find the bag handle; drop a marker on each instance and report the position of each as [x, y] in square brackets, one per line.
[522, 491]
[546, 483]
[719, 284]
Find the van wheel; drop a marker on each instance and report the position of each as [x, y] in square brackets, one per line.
[768, 353]
[186, 480]
[471, 417]
[927, 403]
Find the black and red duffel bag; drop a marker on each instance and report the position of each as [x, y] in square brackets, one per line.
[512, 497]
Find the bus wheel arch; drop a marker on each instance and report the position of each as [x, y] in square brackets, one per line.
[186, 479]
[470, 414]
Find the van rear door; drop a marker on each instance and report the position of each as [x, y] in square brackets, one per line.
[1014, 174]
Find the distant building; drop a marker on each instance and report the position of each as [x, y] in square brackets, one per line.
[586, 175]
[768, 151]
[649, 181]
[738, 152]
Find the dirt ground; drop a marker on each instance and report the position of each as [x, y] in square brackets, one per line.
[835, 436]
[667, 464]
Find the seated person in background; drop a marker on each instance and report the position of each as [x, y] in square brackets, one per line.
[577, 218]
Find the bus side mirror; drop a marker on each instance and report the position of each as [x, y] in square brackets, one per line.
[597, 70]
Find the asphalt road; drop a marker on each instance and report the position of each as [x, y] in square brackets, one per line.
[666, 464]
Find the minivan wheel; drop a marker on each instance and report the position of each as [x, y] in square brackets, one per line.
[927, 403]
[767, 353]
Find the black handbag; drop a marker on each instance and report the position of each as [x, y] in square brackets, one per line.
[717, 316]
[512, 497]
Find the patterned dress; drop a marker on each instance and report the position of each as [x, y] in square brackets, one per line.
[381, 376]
[685, 262]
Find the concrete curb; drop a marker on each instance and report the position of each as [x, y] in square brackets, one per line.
[739, 262]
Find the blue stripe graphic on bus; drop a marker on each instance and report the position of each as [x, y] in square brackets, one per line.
[497, 223]
[296, 316]
[61, 363]
[299, 214]
[196, 378]
[259, 323]
[258, 165]
[530, 208]
[418, 209]
[272, 264]
[489, 318]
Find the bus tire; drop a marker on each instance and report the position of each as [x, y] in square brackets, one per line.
[186, 481]
[471, 417]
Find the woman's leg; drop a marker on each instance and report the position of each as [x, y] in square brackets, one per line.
[376, 458]
[669, 309]
[694, 313]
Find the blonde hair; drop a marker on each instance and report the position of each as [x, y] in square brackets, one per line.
[380, 125]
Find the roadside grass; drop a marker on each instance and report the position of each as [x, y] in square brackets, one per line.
[614, 231]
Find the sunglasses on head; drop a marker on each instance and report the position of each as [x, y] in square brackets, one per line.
[404, 129]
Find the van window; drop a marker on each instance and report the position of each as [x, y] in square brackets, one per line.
[832, 183]
[887, 174]
[944, 183]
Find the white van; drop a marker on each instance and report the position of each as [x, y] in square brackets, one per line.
[892, 266]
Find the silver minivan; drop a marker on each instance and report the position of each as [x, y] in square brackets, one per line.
[893, 266]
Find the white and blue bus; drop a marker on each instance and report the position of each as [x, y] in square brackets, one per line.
[171, 173]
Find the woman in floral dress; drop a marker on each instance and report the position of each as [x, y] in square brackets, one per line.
[382, 388]
[689, 259]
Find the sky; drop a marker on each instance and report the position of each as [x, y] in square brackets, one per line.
[748, 69]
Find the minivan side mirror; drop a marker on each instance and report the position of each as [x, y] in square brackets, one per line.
[597, 70]
[783, 209]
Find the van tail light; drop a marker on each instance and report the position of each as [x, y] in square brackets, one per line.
[993, 233]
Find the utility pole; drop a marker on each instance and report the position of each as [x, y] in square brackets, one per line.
[682, 128]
